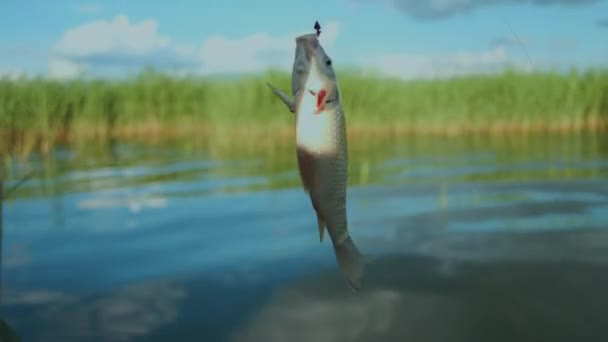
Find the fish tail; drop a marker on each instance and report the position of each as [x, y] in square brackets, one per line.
[351, 262]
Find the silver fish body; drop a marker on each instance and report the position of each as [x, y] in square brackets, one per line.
[322, 151]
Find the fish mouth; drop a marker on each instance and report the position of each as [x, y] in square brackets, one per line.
[310, 43]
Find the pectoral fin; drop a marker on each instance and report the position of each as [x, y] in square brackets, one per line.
[321, 225]
[289, 102]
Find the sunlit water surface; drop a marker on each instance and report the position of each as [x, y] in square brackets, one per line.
[472, 240]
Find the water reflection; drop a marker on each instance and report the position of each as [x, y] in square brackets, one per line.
[7, 334]
[419, 298]
[493, 239]
[121, 315]
[407, 160]
[195, 307]
[521, 295]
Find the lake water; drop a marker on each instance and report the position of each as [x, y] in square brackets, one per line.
[473, 239]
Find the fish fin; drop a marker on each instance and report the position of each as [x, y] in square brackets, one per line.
[321, 225]
[289, 102]
[351, 262]
[320, 221]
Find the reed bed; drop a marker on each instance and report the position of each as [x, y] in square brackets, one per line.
[39, 111]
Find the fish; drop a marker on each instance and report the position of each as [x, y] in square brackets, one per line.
[321, 149]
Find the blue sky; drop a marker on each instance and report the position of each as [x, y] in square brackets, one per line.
[408, 38]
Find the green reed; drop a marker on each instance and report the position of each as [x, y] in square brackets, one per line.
[152, 99]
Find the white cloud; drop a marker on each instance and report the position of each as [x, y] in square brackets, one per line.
[88, 8]
[329, 34]
[438, 9]
[11, 74]
[120, 44]
[219, 54]
[115, 42]
[123, 44]
[444, 65]
[258, 51]
[117, 36]
[63, 68]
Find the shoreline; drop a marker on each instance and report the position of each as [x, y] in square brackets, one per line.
[25, 141]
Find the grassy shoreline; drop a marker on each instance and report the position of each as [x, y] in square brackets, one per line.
[40, 112]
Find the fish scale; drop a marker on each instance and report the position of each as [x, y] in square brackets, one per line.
[335, 178]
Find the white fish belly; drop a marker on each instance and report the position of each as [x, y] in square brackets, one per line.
[315, 132]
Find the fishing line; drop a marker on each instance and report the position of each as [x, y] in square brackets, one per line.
[519, 41]
[8, 191]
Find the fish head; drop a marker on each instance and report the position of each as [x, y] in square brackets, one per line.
[301, 65]
[313, 73]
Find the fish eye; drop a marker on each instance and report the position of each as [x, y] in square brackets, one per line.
[328, 62]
